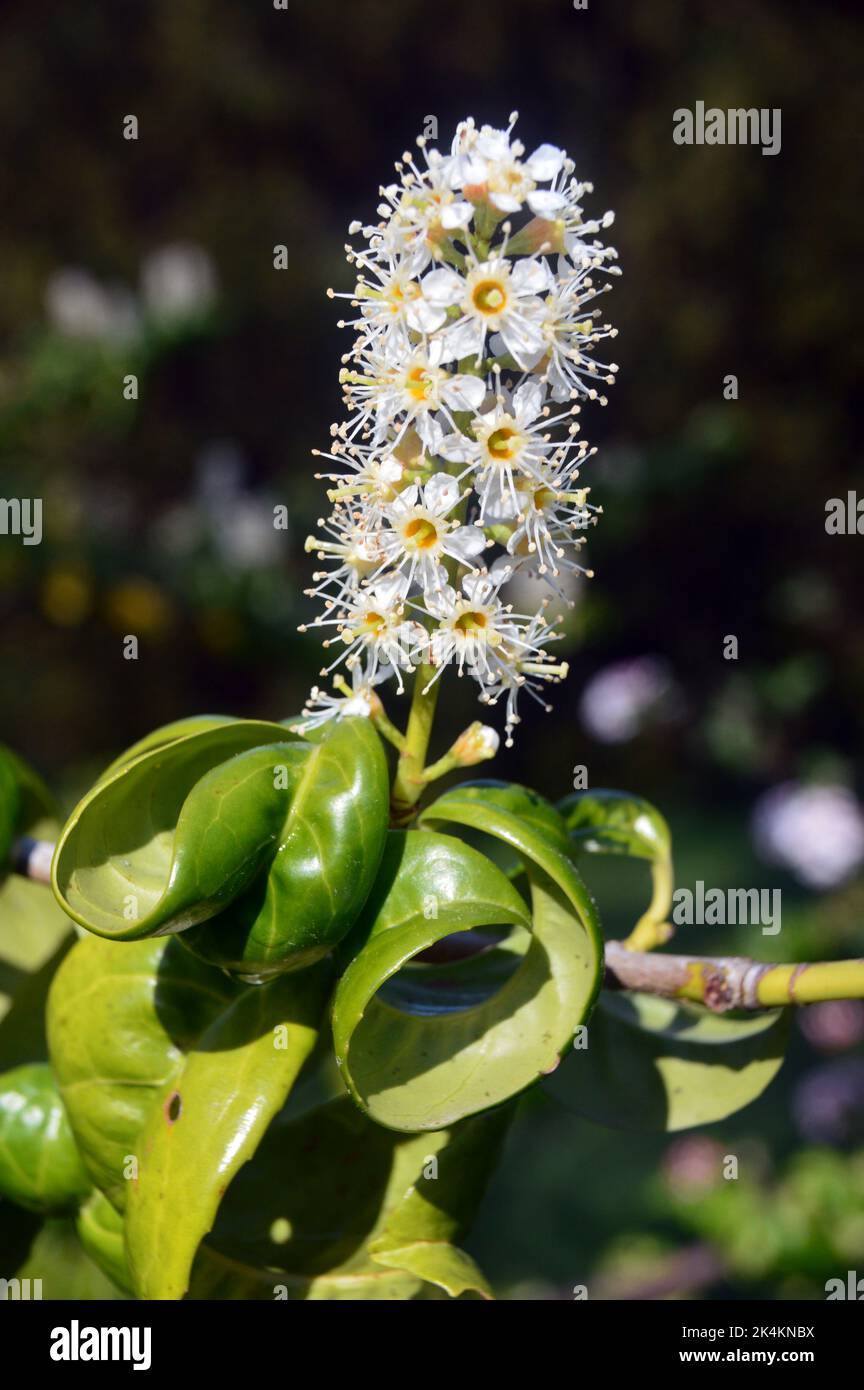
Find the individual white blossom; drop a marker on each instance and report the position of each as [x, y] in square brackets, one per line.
[357, 700]
[458, 463]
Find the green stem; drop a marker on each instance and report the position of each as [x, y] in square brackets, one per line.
[409, 781]
[653, 929]
[732, 982]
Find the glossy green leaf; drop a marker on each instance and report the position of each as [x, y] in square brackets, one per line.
[165, 734]
[564, 914]
[171, 1072]
[612, 822]
[121, 1017]
[270, 840]
[424, 1047]
[210, 1120]
[425, 1068]
[173, 836]
[655, 1064]
[40, 1167]
[335, 1207]
[330, 846]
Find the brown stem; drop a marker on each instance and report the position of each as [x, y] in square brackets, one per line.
[732, 982]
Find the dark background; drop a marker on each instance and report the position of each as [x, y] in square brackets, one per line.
[260, 127]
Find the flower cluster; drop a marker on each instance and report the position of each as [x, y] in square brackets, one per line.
[459, 464]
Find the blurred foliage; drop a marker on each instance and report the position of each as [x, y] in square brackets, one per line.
[260, 127]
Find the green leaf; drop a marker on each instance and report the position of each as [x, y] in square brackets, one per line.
[210, 1120]
[171, 1072]
[34, 938]
[171, 837]
[40, 1167]
[441, 1042]
[279, 835]
[410, 1064]
[612, 822]
[438, 1263]
[334, 1207]
[101, 1231]
[656, 1064]
[9, 805]
[331, 842]
[168, 733]
[120, 1019]
[26, 805]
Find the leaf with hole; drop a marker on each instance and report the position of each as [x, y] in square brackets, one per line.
[171, 1072]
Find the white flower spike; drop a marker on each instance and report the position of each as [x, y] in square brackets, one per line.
[458, 465]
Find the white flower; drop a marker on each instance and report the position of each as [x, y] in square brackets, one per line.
[372, 624]
[476, 326]
[489, 165]
[357, 701]
[409, 386]
[495, 296]
[420, 535]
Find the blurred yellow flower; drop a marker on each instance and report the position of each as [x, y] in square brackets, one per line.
[67, 596]
[139, 606]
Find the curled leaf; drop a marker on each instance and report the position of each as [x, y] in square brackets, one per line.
[330, 845]
[612, 822]
[270, 839]
[422, 1044]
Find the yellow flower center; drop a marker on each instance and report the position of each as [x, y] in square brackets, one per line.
[489, 297]
[471, 621]
[418, 383]
[501, 443]
[401, 294]
[420, 534]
